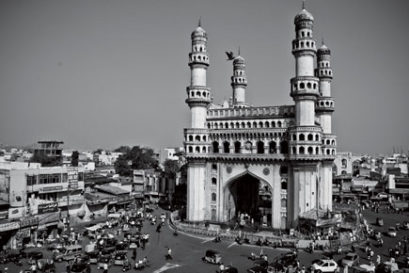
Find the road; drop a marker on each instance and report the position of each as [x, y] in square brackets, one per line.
[187, 250]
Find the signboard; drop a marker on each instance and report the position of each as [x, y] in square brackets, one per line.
[72, 178]
[51, 189]
[28, 222]
[9, 226]
[4, 215]
[45, 208]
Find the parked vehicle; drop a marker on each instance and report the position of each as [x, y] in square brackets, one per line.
[212, 256]
[391, 232]
[104, 259]
[93, 257]
[69, 253]
[350, 259]
[324, 266]
[46, 266]
[120, 258]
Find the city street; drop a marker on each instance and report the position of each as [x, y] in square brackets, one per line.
[187, 250]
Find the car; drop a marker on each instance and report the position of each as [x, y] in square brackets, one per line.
[104, 259]
[391, 232]
[382, 195]
[120, 258]
[324, 266]
[350, 259]
[212, 256]
[285, 260]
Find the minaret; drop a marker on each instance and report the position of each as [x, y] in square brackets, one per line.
[325, 103]
[239, 81]
[305, 135]
[324, 109]
[304, 87]
[197, 137]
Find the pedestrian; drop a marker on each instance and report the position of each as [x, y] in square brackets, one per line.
[169, 255]
[105, 267]
[134, 254]
[67, 267]
[378, 259]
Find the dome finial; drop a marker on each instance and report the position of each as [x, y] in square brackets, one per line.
[200, 21]
[239, 51]
[303, 4]
[322, 40]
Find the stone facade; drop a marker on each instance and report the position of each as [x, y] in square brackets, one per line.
[272, 163]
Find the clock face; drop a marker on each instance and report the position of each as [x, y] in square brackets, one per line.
[247, 146]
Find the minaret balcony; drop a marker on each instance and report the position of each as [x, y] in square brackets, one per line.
[304, 86]
[198, 58]
[324, 72]
[302, 45]
[325, 104]
[198, 95]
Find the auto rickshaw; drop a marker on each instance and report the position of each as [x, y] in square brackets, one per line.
[212, 256]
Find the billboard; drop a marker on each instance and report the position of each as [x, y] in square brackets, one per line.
[46, 208]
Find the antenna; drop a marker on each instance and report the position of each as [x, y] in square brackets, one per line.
[200, 21]
[239, 51]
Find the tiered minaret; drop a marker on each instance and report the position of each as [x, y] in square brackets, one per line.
[324, 109]
[239, 81]
[196, 137]
[305, 135]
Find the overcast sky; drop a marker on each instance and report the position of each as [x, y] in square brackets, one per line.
[106, 73]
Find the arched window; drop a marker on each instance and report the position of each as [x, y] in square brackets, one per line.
[226, 126]
[197, 149]
[310, 150]
[333, 152]
[302, 85]
[279, 124]
[344, 163]
[294, 150]
[333, 142]
[215, 146]
[237, 125]
[272, 147]
[226, 147]
[310, 137]
[317, 151]
[294, 137]
[260, 147]
[284, 147]
[204, 138]
[266, 124]
[301, 150]
[317, 137]
[214, 181]
[328, 152]
[243, 125]
[197, 138]
[260, 124]
[214, 197]
[254, 124]
[204, 150]
[302, 137]
[214, 166]
[190, 149]
[190, 138]
[248, 124]
[273, 124]
[237, 147]
[328, 142]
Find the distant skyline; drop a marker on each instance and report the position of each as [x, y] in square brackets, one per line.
[101, 74]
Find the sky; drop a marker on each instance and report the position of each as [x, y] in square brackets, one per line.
[109, 73]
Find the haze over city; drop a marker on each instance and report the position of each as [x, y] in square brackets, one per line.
[107, 73]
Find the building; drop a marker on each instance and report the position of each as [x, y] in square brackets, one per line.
[272, 163]
[344, 161]
[50, 149]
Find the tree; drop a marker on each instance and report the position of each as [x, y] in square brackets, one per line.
[122, 167]
[171, 168]
[74, 158]
[140, 158]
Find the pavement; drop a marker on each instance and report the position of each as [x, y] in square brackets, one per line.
[187, 250]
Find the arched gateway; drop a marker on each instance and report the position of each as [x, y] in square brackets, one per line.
[246, 198]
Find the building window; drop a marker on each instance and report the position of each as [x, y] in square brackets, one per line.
[237, 147]
[226, 147]
[215, 146]
[284, 147]
[214, 181]
[310, 137]
[302, 137]
[214, 196]
[272, 147]
[301, 150]
[260, 147]
[31, 180]
[214, 167]
[284, 185]
[344, 163]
